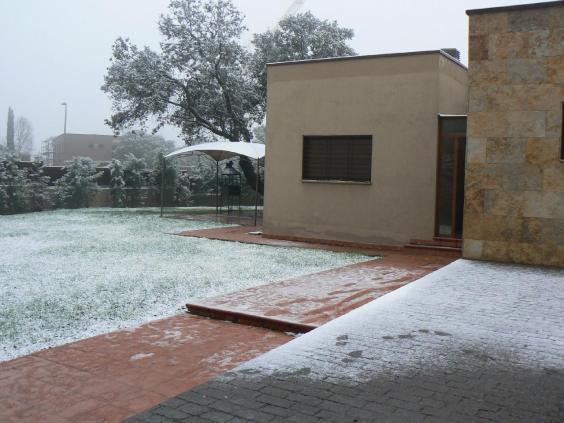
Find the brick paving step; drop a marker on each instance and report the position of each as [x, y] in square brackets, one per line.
[248, 318]
[437, 244]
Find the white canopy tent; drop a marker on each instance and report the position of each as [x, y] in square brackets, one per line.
[220, 151]
[223, 150]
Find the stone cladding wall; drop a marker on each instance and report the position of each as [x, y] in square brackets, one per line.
[514, 205]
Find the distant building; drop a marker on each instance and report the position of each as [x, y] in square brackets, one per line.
[65, 147]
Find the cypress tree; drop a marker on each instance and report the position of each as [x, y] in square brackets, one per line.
[10, 131]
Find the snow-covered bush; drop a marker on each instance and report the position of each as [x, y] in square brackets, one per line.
[170, 180]
[183, 192]
[76, 186]
[134, 181]
[38, 189]
[117, 184]
[13, 185]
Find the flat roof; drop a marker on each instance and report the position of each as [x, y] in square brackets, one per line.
[368, 56]
[515, 7]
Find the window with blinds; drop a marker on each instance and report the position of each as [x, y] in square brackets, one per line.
[337, 158]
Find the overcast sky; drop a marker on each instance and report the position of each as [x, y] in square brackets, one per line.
[57, 50]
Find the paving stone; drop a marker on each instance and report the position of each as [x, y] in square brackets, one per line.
[215, 416]
[273, 400]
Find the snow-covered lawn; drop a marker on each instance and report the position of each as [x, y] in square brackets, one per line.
[70, 274]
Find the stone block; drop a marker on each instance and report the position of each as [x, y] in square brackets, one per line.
[486, 124]
[509, 45]
[526, 123]
[528, 20]
[526, 71]
[554, 232]
[557, 17]
[487, 72]
[505, 150]
[526, 177]
[534, 97]
[501, 228]
[480, 176]
[472, 225]
[472, 249]
[548, 205]
[556, 41]
[542, 151]
[538, 43]
[548, 231]
[553, 123]
[553, 178]
[555, 66]
[506, 124]
[503, 203]
[474, 201]
[488, 23]
[478, 47]
[478, 98]
[495, 251]
[540, 254]
[521, 252]
[533, 230]
[476, 150]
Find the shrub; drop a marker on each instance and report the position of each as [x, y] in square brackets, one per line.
[13, 186]
[117, 184]
[76, 186]
[134, 180]
[170, 180]
[183, 193]
[38, 189]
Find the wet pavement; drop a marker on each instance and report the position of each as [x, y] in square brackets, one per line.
[110, 377]
[472, 341]
[320, 297]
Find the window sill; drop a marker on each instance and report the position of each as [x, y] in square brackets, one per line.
[328, 181]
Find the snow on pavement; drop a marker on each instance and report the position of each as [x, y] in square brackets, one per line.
[473, 341]
[502, 311]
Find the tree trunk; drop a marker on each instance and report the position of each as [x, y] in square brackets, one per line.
[248, 166]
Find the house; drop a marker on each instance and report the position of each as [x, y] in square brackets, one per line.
[374, 149]
[65, 147]
[352, 147]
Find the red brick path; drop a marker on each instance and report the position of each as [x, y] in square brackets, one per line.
[113, 376]
[320, 297]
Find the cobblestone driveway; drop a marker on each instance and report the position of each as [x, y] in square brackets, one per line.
[470, 342]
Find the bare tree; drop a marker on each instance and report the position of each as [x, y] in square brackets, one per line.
[23, 136]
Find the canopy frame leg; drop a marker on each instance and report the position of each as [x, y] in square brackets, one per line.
[256, 190]
[163, 174]
[217, 187]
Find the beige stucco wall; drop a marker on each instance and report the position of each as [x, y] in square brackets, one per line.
[514, 208]
[395, 99]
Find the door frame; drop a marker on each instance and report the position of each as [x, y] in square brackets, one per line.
[441, 136]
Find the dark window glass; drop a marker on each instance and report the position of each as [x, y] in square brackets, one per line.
[453, 124]
[337, 158]
[562, 135]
